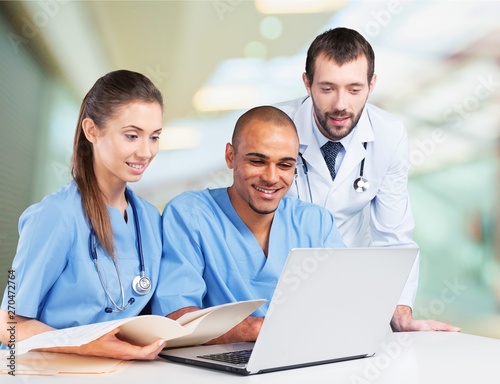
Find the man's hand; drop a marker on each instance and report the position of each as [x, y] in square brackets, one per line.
[247, 330]
[403, 321]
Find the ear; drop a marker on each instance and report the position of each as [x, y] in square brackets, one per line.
[305, 79]
[229, 155]
[90, 130]
[372, 83]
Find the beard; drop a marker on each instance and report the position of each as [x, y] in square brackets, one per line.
[262, 211]
[332, 131]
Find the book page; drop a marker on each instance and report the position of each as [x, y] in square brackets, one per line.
[143, 330]
[48, 363]
[215, 323]
[190, 316]
[68, 337]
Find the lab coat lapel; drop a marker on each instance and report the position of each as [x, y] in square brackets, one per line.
[309, 146]
[356, 152]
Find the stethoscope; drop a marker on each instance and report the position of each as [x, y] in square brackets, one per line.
[361, 184]
[141, 284]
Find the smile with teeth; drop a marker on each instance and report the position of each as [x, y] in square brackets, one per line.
[136, 166]
[265, 191]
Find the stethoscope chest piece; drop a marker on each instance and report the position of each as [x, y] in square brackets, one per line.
[361, 184]
[141, 285]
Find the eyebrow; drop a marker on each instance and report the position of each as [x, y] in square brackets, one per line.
[262, 156]
[139, 128]
[355, 84]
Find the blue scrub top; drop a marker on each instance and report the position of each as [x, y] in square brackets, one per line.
[55, 276]
[211, 257]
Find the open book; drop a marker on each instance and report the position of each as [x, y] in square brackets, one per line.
[193, 328]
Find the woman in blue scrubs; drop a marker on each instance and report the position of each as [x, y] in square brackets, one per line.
[90, 252]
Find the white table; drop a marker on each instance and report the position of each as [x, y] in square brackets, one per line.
[404, 358]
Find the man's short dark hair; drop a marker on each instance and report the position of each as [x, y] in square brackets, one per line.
[342, 45]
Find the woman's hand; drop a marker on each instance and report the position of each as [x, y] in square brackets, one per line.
[111, 346]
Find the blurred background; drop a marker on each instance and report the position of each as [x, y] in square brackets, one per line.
[438, 66]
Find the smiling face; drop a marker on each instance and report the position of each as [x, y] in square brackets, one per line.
[339, 94]
[125, 147]
[263, 162]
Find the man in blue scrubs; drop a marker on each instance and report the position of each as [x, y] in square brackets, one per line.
[230, 244]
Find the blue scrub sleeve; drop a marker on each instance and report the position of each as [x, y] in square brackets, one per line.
[45, 238]
[181, 283]
[333, 239]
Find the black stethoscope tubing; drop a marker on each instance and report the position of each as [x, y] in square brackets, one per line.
[306, 173]
[360, 184]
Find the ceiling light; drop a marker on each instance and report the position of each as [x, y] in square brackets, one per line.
[298, 6]
[225, 98]
[173, 138]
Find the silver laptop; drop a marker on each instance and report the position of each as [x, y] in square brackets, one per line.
[329, 305]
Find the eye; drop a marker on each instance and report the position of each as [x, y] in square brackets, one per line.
[131, 136]
[155, 138]
[355, 91]
[256, 161]
[286, 166]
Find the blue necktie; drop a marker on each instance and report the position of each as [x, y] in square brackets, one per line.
[330, 151]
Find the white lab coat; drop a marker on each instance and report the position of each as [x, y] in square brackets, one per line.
[380, 216]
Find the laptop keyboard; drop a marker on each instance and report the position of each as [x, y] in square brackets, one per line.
[235, 357]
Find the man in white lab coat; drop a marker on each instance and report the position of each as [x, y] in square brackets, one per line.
[365, 184]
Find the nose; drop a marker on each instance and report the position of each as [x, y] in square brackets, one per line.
[146, 149]
[340, 101]
[270, 174]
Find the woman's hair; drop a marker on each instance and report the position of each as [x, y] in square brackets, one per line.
[341, 45]
[104, 100]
